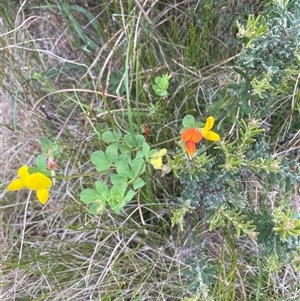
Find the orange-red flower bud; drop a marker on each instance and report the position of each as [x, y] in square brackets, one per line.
[190, 147]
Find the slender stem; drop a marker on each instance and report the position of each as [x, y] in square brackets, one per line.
[129, 111]
[139, 122]
[22, 240]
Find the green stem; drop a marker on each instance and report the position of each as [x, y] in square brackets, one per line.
[129, 111]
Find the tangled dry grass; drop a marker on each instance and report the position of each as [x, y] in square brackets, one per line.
[51, 65]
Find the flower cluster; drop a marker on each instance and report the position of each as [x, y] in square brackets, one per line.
[192, 136]
[36, 181]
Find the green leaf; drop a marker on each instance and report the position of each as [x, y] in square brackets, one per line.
[44, 141]
[245, 107]
[188, 121]
[128, 139]
[117, 203]
[124, 149]
[129, 196]
[138, 166]
[140, 139]
[99, 159]
[101, 188]
[161, 85]
[97, 208]
[45, 172]
[118, 206]
[240, 72]
[109, 136]
[125, 157]
[139, 154]
[146, 150]
[88, 196]
[55, 149]
[287, 184]
[40, 162]
[51, 150]
[116, 198]
[46, 149]
[136, 141]
[118, 180]
[164, 83]
[138, 183]
[98, 156]
[91, 20]
[153, 151]
[157, 80]
[111, 153]
[160, 92]
[124, 170]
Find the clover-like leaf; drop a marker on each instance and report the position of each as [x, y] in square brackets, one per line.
[124, 149]
[158, 80]
[145, 150]
[129, 140]
[45, 172]
[118, 180]
[138, 166]
[164, 82]
[99, 159]
[44, 141]
[97, 208]
[88, 196]
[129, 196]
[124, 157]
[188, 121]
[124, 170]
[40, 162]
[161, 85]
[138, 183]
[101, 188]
[140, 139]
[116, 197]
[160, 92]
[133, 142]
[55, 149]
[111, 153]
[110, 136]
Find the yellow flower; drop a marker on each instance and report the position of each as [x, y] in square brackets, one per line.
[207, 133]
[19, 183]
[156, 159]
[36, 181]
[39, 182]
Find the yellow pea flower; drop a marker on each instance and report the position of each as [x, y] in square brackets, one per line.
[20, 182]
[36, 181]
[156, 159]
[39, 182]
[207, 133]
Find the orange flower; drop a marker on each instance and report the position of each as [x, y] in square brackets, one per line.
[191, 137]
[191, 134]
